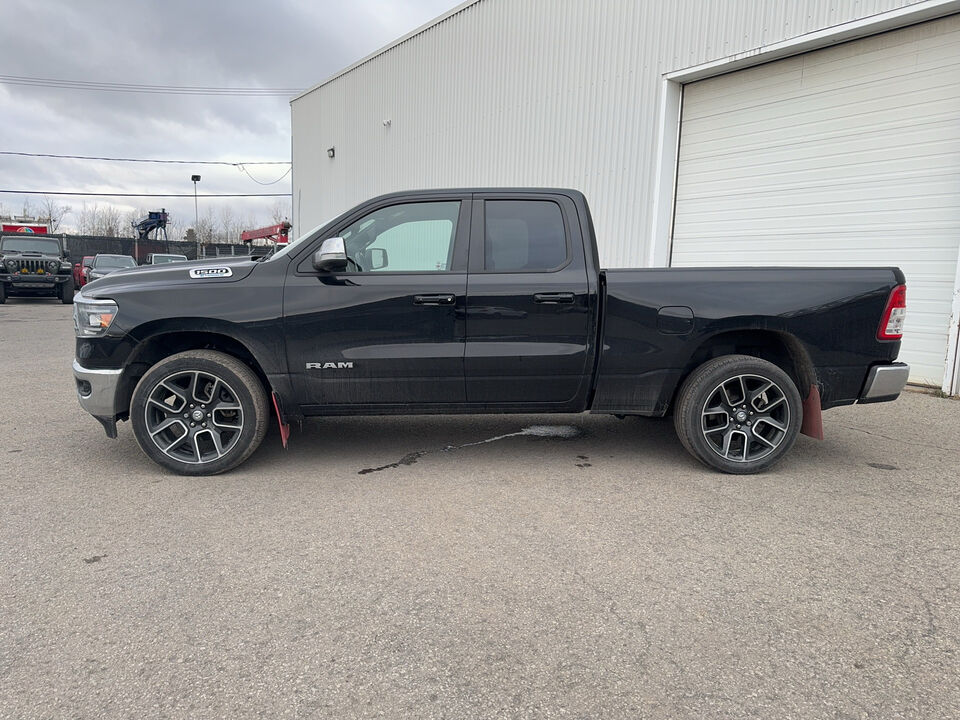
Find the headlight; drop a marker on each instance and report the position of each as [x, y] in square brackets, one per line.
[91, 318]
[53, 266]
[12, 264]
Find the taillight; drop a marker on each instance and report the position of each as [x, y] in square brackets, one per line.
[891, 324]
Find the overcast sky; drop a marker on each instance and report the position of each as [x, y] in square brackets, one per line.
[242, 43]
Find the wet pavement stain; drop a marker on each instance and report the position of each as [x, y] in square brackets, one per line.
[559, 432]
[881, 466]
[408, 459]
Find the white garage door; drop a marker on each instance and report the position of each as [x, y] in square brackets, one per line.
[844, 156]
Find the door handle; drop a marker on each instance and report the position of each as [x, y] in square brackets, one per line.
[434, 299]
[553, 298]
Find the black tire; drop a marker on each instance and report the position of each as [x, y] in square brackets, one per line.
[206, 447]
[3, 293]
[739, 431]
[65, 293]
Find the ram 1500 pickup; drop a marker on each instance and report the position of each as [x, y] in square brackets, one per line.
[479, 301]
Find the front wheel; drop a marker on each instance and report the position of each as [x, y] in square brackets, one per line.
[738, 414]
[65, 293]
[199, 412]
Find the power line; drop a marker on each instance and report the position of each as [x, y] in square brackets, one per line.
[142, 88]
[260, 182]
[156, 195]
[142, 160]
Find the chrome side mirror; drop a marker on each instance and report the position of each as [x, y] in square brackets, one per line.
[331, 257]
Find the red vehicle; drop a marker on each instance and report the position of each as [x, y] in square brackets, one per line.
[80, 271]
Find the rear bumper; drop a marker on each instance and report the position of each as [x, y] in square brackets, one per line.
[885, 382]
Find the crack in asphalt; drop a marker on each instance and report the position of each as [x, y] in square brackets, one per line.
[952, 451]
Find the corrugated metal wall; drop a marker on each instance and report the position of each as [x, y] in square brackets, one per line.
[530, 93]
[848, 155]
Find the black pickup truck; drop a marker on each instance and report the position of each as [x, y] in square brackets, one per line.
[478, 301]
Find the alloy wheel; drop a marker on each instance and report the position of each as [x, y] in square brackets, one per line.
[745, 418]
[193, 417]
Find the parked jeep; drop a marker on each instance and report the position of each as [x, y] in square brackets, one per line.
[32, 265]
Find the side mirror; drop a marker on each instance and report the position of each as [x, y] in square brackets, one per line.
[378, 258]
[331, 257]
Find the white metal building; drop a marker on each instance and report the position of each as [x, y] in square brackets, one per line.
[703, 132]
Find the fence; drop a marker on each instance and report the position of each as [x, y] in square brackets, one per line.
[78, 246]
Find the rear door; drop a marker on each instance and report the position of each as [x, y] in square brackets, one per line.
[528, 303]
[389, 330]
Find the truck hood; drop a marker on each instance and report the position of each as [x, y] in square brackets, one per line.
[211, 271]
[28, 255]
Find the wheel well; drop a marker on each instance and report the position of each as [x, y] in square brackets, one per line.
[157, 347]
[783, 350]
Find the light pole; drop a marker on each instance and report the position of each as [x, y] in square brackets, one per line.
[196, 213]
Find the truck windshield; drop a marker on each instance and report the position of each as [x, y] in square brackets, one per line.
[114, 261]
[46, 246]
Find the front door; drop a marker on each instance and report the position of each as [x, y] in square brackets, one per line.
[389, 330]
[528, 304]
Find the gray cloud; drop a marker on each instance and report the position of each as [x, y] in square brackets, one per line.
[243, 43]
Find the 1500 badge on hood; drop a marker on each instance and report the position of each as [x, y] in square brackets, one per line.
[211, 272]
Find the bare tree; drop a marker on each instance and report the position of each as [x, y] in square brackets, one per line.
[229, 225]
[280, 211]
[104, 221]
[206, 227]
[52, 212]
[130, 220]
[175, 228]
[87, 219]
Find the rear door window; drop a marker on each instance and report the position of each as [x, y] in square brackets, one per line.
[524, 236]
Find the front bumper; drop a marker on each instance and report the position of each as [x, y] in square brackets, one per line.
[34, 280]
[97, 391]
[885, 382]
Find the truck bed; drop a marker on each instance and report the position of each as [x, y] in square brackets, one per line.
[656, 319]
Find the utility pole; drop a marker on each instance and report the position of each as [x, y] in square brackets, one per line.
[196, 213]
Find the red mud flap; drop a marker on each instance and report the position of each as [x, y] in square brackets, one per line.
[285, 428]
[812, 415]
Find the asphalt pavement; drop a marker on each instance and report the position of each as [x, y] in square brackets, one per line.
[471, 566]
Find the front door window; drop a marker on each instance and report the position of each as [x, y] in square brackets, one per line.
[412, 237]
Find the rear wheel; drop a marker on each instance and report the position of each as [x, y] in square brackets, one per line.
[199, 412]
[738, 414]
[3, 293]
